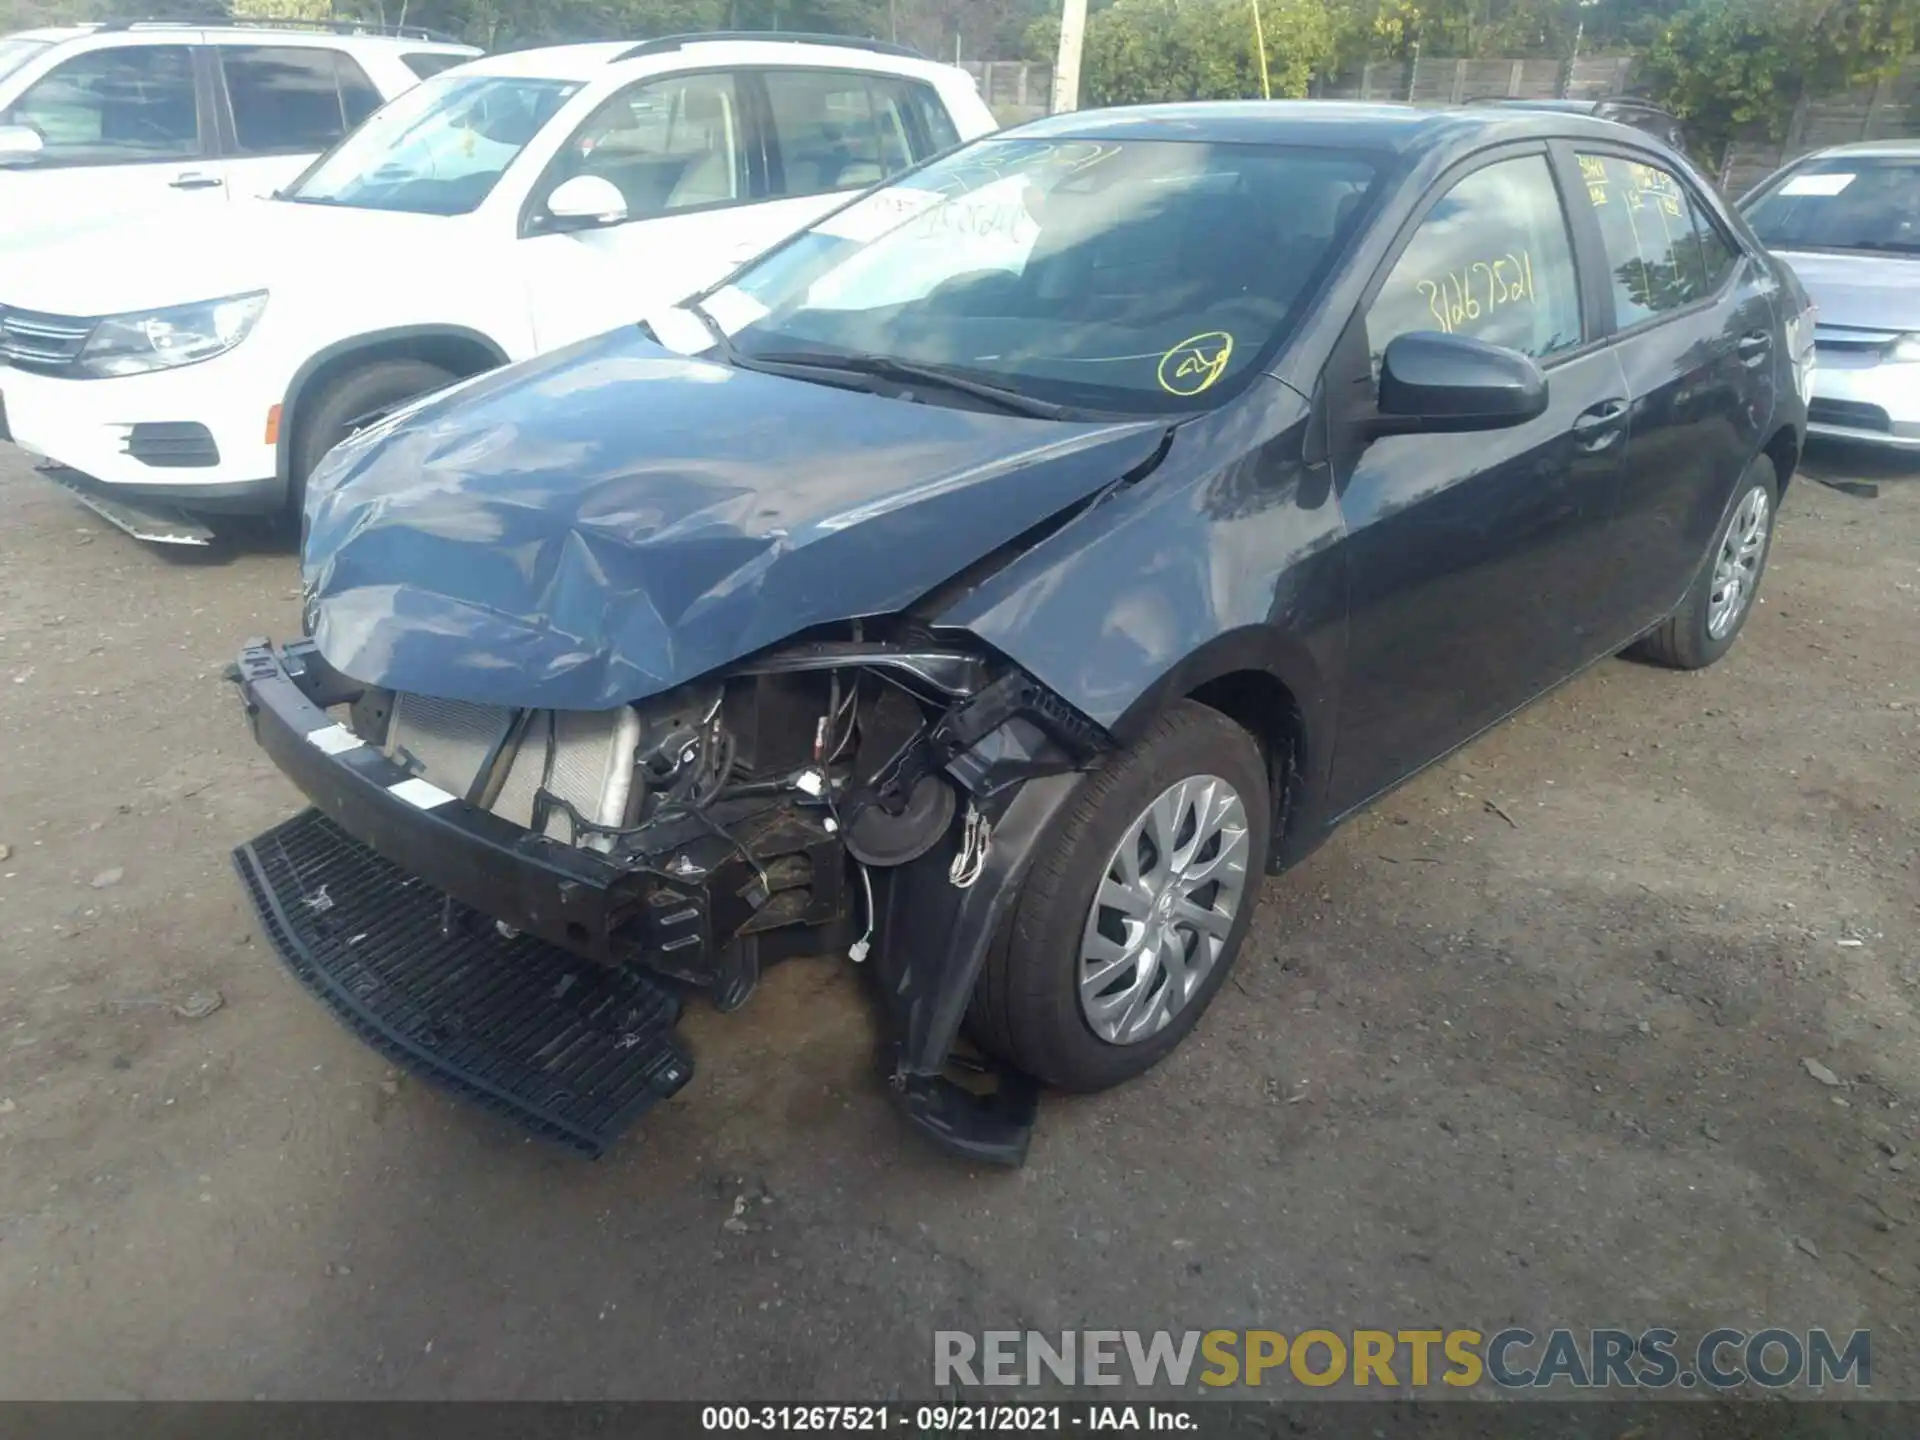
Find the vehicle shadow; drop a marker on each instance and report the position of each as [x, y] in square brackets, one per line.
[1845, 461]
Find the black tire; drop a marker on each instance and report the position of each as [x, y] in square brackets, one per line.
[1026, 1006]
[1685, 640]
[346, 402]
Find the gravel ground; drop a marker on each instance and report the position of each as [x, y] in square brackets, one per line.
[1527, 1044]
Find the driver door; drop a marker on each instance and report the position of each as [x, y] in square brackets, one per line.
[684, 151]
[1478, 564]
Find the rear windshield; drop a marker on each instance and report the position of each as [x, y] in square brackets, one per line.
[1863, 202]
[15, 52]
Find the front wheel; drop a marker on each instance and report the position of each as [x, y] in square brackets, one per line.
[1716, 607]
[349, 402]
[1134, 912]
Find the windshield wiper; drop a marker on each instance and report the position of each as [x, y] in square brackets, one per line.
[1904, 247]
[722, 341]
[909, 372]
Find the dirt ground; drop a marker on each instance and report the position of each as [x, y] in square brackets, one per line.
[1526, 1045]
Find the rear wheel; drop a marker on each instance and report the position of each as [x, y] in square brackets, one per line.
[1715, 609]
[349, 402]
[1136, 909]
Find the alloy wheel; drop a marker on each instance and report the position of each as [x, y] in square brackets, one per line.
[1159, 923]
[1736, 567]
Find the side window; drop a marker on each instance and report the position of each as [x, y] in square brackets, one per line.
[426, 64]
[937, 130]
[1492, 260]
[114, 107]
[1716, 254]
[1660, 254]
[285, 100]
[840, 130]
[667, 145]
[358, 97]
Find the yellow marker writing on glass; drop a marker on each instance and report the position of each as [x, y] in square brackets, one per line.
[1196, 363]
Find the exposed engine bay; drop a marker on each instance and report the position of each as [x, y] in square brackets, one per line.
[786, 781]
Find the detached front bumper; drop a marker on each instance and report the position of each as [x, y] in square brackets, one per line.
[558, 893]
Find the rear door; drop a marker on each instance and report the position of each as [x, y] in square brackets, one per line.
[1694, 328]
[123, 128]
[280, 105]
[1475, 562]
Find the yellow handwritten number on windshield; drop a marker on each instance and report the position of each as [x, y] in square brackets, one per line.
[1196, 363]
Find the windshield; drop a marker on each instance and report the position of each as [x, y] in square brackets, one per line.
[1843, 203]
[1125, 276]
[15, 52]
[438, 149]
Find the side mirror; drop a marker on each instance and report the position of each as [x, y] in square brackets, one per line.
[586, 202]
[1434, 383]
[19, 144]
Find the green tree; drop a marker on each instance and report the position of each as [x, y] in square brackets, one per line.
[1140, 51]
[1733, 67]
[506, 24]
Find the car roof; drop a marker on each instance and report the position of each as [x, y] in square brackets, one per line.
[590, 60]
[1868, 148]
[1397, 128]
[551, 62]
[1578, 107]
[409, 39]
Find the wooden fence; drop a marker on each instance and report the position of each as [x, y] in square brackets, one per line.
[1436, 83]
[1015, 90]
[1889, 110]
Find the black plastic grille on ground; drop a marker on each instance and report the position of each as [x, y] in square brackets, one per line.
[571, 1049]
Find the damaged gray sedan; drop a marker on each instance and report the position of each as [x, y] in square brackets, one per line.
[971, 585]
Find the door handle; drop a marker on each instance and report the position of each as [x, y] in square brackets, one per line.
[1753, 348]
[1596, 426]
[191, 181]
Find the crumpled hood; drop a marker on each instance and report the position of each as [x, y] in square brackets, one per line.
[1861, 292]
[612, 520]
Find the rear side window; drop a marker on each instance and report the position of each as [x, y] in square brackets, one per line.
[1716, 253]
[1661, 253]
[1492, 260]
[426, 64]
[358, 98]
[113, 107]
[286, 100]
[839, 130]
[941, 133]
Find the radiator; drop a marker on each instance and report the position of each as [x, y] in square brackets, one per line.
[447, 741]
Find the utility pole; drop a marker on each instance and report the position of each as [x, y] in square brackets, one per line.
[1260, 45]
[1066, 70]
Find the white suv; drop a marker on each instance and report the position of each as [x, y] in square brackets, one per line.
[100, 120]
[513, 205]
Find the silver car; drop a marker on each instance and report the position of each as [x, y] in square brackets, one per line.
[1848, 221]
